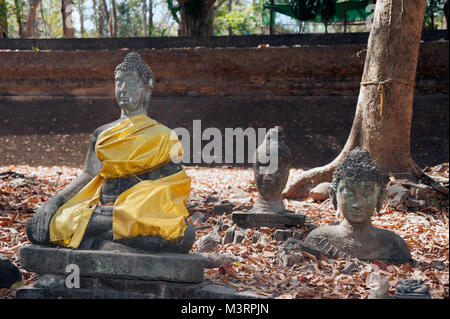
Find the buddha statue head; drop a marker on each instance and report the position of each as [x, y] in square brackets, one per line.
[357, 187]
[133, 84]
[357, 191]
[272, 162]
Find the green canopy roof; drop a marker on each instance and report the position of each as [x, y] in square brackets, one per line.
[349, 10]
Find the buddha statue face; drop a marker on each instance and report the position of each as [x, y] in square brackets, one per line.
[357, 187]
[130, 90]
[357, 201]
[133, 84]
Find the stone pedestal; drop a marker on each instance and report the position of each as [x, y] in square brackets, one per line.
[260, 219]
[118, 273]
[186, 268]
[53, 287]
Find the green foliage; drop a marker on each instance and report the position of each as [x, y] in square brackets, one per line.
[434, 14]
[243, 18]
[3, 9]
[174, 7]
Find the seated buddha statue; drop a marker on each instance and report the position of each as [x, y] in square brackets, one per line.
[131, 191]
[356, 192]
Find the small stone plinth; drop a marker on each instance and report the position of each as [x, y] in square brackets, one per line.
[255, 220]
[182, 268]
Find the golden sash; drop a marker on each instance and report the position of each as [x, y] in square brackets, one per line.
[151, 207]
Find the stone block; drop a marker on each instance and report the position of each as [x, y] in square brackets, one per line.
[298, 234]
[113, 264]
[197, 216]
[256, 237]
[399, 199]
[414, 203]
[282, 234]
[349, 268]
[9, 273]
[229, 236]
[223, 207]
[239, 237]
[256, 220]
[119, 288]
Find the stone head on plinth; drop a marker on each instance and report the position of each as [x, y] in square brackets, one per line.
[357, 192]
[272, 162]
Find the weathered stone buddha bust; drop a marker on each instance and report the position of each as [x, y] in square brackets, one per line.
[130, 190]
[272, 162]
[270, 184]
[356, 192]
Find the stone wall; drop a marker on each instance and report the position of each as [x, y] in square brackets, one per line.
[311, 90]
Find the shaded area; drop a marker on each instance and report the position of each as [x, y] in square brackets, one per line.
[56, 131]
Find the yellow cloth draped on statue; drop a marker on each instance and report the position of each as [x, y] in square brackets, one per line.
[151, 207]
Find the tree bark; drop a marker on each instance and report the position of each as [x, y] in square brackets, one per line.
[113, 19]
[144, 18]
[198, 24]
[81, 12]
[66, 11]
[43, 19]
[3, 19]
[18, 9]
[106, 17]
[271, 17]
[382, 123]
[30, 28]
[150, 16]
[446, 14]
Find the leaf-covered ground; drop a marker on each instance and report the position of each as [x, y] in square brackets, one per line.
[23, 188]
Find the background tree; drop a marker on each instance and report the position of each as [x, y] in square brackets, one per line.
[44, 23]
[327, 11]
[80, 7]
[237, 17]
[66, 11]
[113, 20]
[19, 13]
[194, 17]
[382, 123]
[31, 30]
[3, 19]
[150, 17]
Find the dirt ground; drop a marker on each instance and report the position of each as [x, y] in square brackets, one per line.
[24, 188]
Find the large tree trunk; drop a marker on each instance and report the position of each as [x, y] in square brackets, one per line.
[3, 19]
[197, 18]
[30, 30]
[66, 11]
[382, 123]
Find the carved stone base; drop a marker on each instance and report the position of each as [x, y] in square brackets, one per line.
[260, 219]
[53, 287]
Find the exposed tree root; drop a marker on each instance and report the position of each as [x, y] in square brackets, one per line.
[301, 185]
